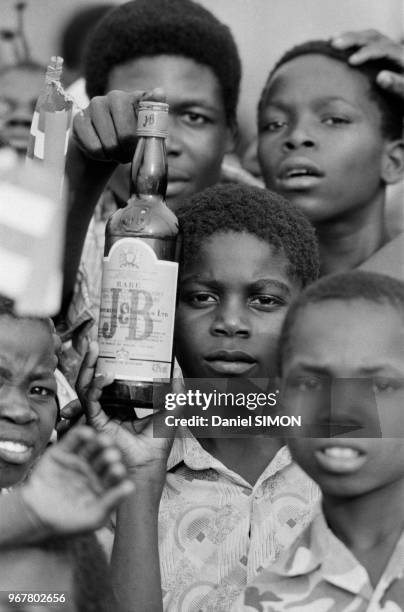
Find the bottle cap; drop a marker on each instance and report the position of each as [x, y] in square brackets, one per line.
[152, 119]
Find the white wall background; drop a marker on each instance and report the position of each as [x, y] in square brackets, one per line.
[263, 30]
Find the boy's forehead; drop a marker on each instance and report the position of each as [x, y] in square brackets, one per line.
[356, 331]
[182, 78]
[320, 75]
[243, 255]
[26, 338]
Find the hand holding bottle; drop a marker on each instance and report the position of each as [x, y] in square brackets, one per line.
[145, 455]
[105, 130]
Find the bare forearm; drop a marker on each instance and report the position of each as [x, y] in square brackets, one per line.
[135, 557]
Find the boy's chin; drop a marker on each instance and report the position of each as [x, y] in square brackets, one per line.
[13, 475]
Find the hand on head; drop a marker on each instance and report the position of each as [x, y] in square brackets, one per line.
[373, 46]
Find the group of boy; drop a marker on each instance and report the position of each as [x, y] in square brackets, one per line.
[208, 514]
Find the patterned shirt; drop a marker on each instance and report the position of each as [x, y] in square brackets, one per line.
[319, 574]
[217, 531]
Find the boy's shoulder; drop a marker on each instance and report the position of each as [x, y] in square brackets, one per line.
[318, 567]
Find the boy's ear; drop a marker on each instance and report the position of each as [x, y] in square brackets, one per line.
[392, 169]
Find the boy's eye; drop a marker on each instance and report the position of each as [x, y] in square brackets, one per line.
[200, 299]
[272, 126]
[266, 302]
[194, 118]
[307, 383]
[386, 385]
[335, 120]
[42, 391]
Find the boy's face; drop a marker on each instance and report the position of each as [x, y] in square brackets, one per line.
[320, 139]
[19, 90]
[198, 135]
[232, 302]
[28, 407]
[345, 364]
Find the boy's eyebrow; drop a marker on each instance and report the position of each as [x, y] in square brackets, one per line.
[283, 104]
[183, 105]
[362, 371]
[258, 285]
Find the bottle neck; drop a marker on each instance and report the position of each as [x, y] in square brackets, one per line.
[54, 70]
[149, 169]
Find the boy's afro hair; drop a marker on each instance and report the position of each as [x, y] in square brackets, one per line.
[390, 105]
[240, 208]
[346, 287]
[163, 27]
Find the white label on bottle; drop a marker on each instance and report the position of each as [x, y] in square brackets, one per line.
[39, 136]
[137, 312]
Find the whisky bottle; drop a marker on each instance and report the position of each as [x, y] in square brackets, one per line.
[139, 282]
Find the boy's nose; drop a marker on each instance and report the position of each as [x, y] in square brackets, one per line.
[16, 407]
[231, 321]
[298, 136]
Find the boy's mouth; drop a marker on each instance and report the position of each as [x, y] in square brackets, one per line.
[298, 173]
[338, 459]
[230, 363]
[15, 452]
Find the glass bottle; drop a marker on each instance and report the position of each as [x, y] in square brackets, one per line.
[139, 283]
[51, 123]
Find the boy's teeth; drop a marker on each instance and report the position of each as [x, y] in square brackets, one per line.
[14, 447]
[341, 452]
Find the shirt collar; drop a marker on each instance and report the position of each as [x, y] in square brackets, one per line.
[188, 450]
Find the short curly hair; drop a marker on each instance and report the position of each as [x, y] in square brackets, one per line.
[163, 27]
[346, 287]
[389, 104]
[233, 207]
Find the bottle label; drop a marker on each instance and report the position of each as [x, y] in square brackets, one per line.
[137, 312]
[152, 121]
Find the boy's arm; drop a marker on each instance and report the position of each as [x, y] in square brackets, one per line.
[135, 559]
[103, 136]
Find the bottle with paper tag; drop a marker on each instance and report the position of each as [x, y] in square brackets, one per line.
[140, 271]
[51, 123]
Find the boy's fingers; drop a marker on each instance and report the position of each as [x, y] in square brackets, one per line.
[77, 438]
[392, 82]
[358, 37]
[87, 369]
[72, 410]
[117, 494]
[386, 50]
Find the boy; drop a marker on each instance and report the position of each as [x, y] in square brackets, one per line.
[141, 45]
[228, 504]
[71, 490]
[330, 140]
[344, 336]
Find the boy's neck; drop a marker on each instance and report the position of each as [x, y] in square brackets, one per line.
[248, 457]
[350, 241]
[369, 525]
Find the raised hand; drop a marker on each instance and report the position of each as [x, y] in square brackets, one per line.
[374, 45]
[77, 483]
[105, 130]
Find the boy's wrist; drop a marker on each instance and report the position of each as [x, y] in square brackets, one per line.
[25, 525]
